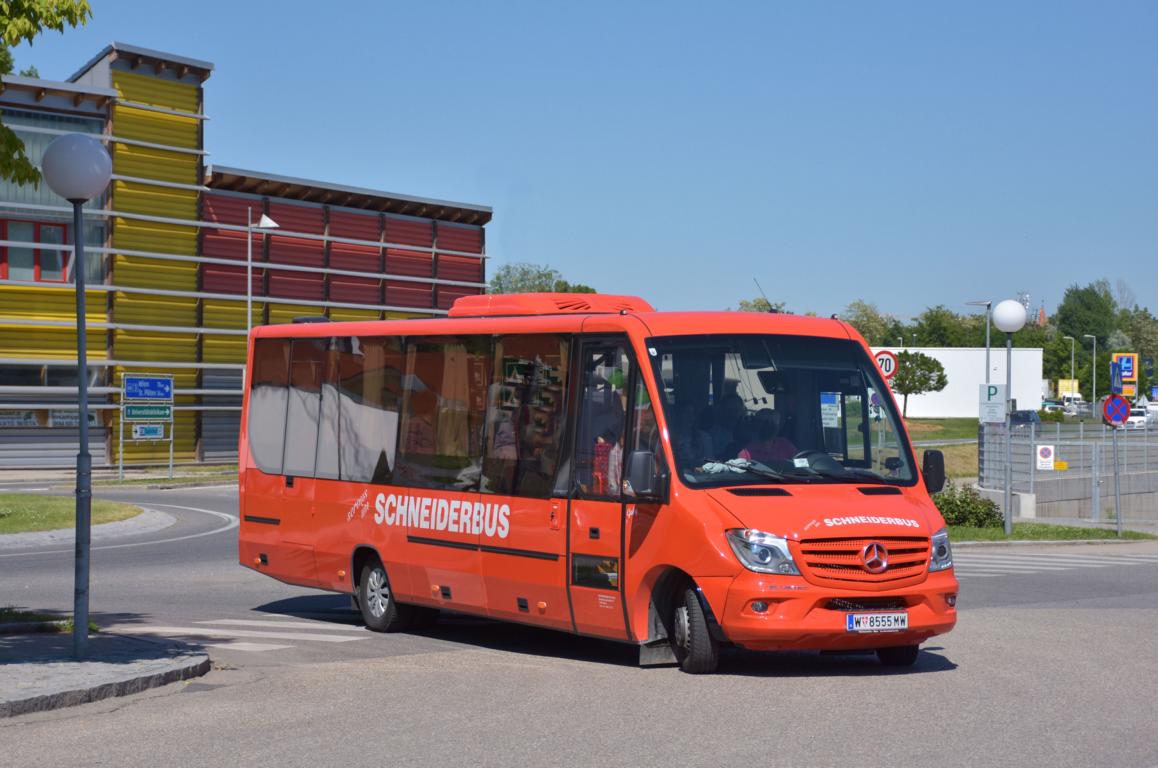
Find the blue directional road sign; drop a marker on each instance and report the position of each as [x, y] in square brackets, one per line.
[155, 388]
[1116, 378]
[1116, 410]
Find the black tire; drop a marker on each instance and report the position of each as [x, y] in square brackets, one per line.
[899, 656]
[380, 611]
[695, 649]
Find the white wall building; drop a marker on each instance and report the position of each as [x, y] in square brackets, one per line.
[965, 369]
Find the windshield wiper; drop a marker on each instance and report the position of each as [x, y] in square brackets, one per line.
[740, 466]
[853, 475]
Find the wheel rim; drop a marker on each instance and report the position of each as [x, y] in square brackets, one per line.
[377, 593]
[681, 629]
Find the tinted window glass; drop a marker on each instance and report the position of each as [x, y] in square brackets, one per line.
[326, 460]
[307, 362]
[602, 405]
[779, 409]
[443, 411]
[370, 387]
[525, 414]
[267, 403]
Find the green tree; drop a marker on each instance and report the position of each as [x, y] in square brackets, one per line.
[532, 278]
[760, 304]
[877, 328]
[917, 373]
[941, 327]
[1091, 309]
[21, 21]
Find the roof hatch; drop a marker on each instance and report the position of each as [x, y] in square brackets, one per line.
[506, 304]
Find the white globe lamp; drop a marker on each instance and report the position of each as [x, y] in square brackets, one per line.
[1009, 316]
[77, 167]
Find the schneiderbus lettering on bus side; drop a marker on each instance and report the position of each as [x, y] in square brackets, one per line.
[452, 515]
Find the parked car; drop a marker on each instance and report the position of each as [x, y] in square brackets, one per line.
[1137, 420]
[1024, 417]
[1052, 406]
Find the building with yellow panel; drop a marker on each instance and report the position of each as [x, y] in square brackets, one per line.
[166, 261]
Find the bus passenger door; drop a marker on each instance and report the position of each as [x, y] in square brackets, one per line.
[595, 533]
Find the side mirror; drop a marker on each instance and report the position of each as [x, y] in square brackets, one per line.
[643, 476]
[933, 469]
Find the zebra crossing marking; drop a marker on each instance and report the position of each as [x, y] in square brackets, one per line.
[988, 564]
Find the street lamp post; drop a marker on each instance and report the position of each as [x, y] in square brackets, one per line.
[988, 304]
[1009, 316]
[265, 223]
[77, 167]
[1093, 374]
[1071, 340]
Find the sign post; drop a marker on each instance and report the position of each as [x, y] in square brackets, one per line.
[148, 398]
[1115, 412]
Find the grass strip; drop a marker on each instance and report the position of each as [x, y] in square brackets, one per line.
[1040, 532]
[10, 615]
[25, 512]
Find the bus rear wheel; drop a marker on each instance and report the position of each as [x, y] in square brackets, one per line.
[899, 656]
[380, 611]
[695, 649]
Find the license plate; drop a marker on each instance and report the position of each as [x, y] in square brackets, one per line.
[876, 622]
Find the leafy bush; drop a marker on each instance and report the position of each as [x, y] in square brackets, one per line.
[963, 505]
[1052, 416]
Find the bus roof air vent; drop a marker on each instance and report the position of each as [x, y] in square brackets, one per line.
[507, 304]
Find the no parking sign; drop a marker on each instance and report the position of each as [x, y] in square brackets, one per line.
[1045, 457]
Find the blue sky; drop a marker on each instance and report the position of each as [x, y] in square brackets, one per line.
[905, 153]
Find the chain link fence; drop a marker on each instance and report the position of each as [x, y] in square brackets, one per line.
[1081, 485]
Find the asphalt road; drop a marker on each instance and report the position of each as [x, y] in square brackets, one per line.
[1053, 663]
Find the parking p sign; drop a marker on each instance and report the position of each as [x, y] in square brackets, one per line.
[992, 406]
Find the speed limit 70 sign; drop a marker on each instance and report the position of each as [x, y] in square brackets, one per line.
[887, 362]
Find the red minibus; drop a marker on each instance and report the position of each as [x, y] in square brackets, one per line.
[584, 463]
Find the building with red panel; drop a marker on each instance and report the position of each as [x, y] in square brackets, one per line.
[169, 250]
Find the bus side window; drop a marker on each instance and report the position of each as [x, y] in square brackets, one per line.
[370, 375]
[602, 418]
[307, 362]
[443, 411]
[326, 463]
[525, 414]
[267, 403]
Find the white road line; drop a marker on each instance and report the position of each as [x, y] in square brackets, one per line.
[1010, 567]
[1022, 563]
[231, 524]
[248, 647]
[209, 632]
[271, 624]
[1072, 561]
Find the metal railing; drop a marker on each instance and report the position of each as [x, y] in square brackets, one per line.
[1081, 481]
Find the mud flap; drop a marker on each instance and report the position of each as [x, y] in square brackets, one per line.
[657, 653]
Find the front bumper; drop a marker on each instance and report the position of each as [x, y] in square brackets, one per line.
[799, 615]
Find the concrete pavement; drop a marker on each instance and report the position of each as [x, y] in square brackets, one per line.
[38, 671]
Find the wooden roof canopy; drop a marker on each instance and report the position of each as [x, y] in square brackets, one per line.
[255, 183]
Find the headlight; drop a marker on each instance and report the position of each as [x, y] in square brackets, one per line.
[762, 552]
[942, 556]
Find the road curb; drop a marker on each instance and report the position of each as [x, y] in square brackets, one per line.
[148, 520]
[186, 663]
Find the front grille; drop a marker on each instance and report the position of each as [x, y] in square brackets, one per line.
[849, 604]
[837, 562]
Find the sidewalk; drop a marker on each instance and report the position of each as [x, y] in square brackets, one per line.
[37, 671]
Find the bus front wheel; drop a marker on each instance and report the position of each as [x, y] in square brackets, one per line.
[899, 656]
[380, 610]
[695, 648]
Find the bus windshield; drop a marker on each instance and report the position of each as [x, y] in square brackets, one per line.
[764, 409]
